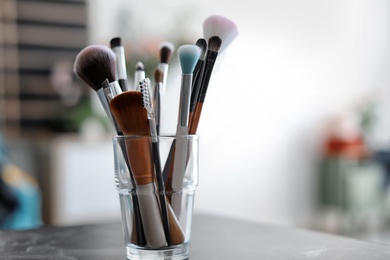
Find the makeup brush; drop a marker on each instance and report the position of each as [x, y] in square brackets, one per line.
[139, 74]
[212, 53]
[217, 25]
[95, 64]
[166, 51]
[197, 76]
[148, 105]
[188, 56]
[202, 44]
[128, 110]
[158, 79]
[121, 73]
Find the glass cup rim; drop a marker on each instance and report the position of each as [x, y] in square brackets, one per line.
[160, 137]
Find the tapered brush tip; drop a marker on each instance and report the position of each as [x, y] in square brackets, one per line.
[217, 25]
[202, 44]
[115, 42]
[94, 64]
[188, 55]
[214, 44]
[158, 75]
[166, 51]
[139, 66]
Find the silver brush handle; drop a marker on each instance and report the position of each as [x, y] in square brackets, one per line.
[179, 167]
[103, 100]
[185, 96]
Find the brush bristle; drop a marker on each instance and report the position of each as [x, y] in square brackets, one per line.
[139, 66]
[128, 110]
[217, 25]
[158, 75]
[188, 55]
[166, 51]
[214, 44]
[115, 42]
[94, 64]
[202, 44]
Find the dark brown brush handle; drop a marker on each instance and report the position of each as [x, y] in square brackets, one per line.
[195, 119]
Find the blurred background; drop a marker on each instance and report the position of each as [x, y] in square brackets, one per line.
[295, 129]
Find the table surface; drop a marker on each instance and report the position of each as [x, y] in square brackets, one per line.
[212, 238]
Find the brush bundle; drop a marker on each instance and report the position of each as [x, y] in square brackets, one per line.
[158, 217]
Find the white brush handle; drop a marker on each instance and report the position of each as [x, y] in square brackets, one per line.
[150, 215]
[179, 167]
[164, 68]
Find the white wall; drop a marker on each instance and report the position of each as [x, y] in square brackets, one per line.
[293, 64]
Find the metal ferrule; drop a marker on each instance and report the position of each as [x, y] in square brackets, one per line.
[120, 62]
[115, 88]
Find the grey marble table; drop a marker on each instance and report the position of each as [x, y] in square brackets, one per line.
[212, 238]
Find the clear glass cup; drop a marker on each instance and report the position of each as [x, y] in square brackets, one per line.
[156, 179]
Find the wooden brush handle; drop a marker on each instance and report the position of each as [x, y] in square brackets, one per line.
[177, 234]
[195, 118]
[139, 154]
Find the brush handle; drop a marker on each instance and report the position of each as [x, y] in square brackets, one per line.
[161, 191]
[184, 106]
[150, 214]
[138, 235]
[157, 105]
[121, 72]
[168, 167]
[173, 231]
[106, 106]
[176, 231]
[205, 80]
[195, 118]
[196, 84]
[124, 84]
[179, 167]
[211, 57]
[164, 68]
